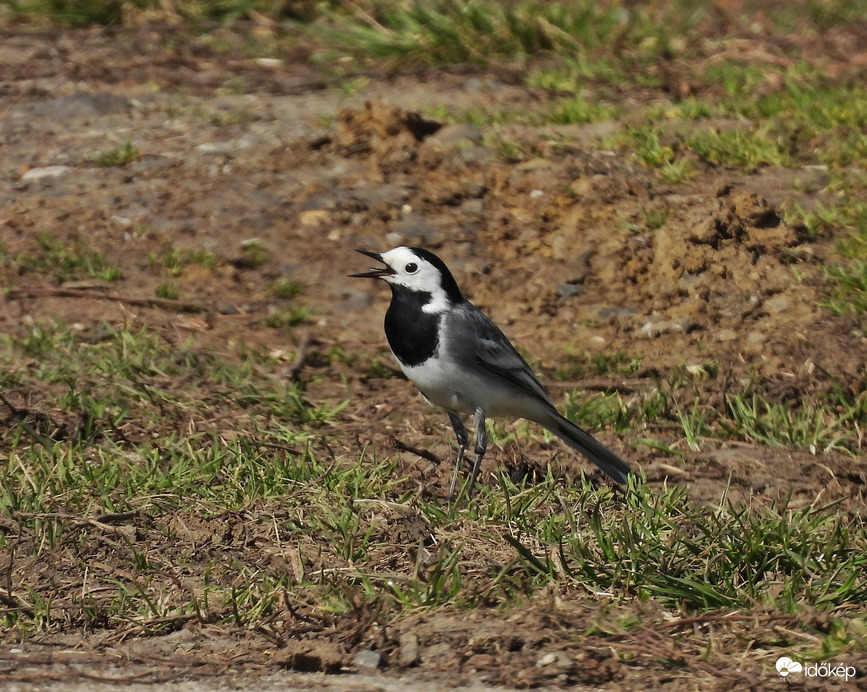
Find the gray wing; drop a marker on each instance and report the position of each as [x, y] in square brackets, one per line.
[481, 342]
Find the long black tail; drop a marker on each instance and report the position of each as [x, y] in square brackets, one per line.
[590, 447]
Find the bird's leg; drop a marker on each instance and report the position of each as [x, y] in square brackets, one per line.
[481, 446]
[461, 435]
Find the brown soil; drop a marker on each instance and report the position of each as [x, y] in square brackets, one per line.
[556, 249]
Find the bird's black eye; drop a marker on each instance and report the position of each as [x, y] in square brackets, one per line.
[411, 268]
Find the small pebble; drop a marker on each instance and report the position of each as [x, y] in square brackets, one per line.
[366, 659]
[555, 657]
[46, 172]
[546, 660]
[777, 304]
[408, 654]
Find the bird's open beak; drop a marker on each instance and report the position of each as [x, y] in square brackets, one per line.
[375, 272]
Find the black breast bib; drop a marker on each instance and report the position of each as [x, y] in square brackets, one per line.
[412, 333]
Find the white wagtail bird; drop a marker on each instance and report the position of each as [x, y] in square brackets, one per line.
[460, 360]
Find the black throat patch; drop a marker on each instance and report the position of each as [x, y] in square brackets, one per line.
[412, 333]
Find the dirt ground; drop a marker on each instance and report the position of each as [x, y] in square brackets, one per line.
[556, 248]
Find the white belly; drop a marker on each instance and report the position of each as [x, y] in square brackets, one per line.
[462, 391]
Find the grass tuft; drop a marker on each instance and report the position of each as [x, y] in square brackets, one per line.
[119, 156]
[663, 546]
[63, 261]
[448, 32]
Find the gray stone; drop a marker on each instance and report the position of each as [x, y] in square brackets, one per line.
[44, 172]
[82, 106]
[779, 303]
[366, 659]
[408, 653]
[450, 134]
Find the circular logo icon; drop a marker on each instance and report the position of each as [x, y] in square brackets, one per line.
[786, 665]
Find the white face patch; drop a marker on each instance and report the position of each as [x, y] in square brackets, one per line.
[416, 274]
